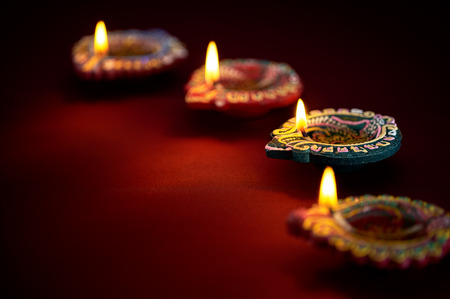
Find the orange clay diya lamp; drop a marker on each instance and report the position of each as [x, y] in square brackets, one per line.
[242, 87]
[126, 53]
[383, 231]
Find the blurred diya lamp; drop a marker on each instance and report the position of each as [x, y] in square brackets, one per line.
[242, 87]
[345, 139]
[125, 53]
[382, 231]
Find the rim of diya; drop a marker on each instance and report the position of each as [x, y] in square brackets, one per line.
[383, 231]
[246, 88]
[132, 53]
[345, 139]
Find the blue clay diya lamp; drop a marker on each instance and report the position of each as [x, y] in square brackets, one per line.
[345, 139]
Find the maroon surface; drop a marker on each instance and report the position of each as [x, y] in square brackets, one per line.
[119, 191]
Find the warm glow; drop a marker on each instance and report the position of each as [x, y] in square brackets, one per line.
[100, 39]
[212, 64]
[328, 194]
[300, 121]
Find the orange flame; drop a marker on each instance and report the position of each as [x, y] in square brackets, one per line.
[100, 40]
[212, 64]
[328, 193]
[300, 117]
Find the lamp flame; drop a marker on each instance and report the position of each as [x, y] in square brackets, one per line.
[212, 64]
[300, 117]
[100, 39]
[328, 193]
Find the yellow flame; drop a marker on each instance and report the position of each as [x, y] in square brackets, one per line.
[328, 193]
[100, 39]
[300, 117]
[212, 64]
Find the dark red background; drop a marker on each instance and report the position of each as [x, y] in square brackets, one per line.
[119, 191]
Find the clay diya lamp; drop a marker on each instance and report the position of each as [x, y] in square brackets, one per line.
[126, 53]
[383, 231]
[345, 139]
[242, 87]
